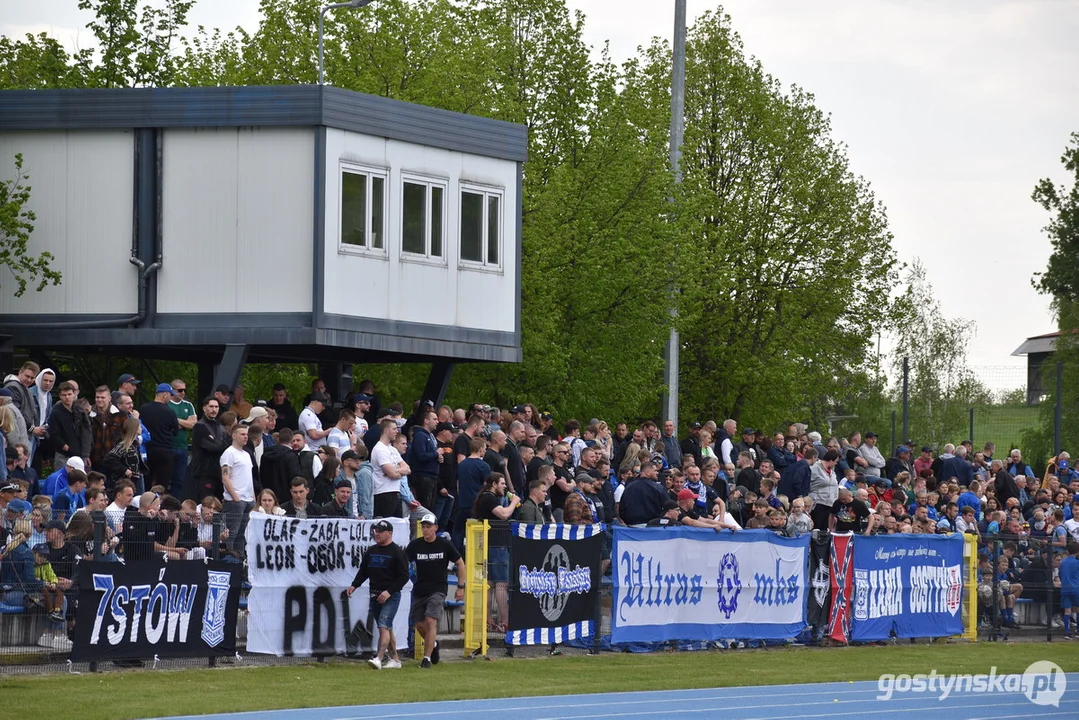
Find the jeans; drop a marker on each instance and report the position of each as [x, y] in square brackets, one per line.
[444, 511]
[236, 516]
[179, 473]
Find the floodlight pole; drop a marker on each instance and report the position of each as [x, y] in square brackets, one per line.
[321, 19]
[678, 106]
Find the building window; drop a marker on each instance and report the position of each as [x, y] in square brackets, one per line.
[363, 209]
[422, 212]
[481, 224]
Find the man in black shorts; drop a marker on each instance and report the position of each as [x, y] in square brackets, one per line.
[432, 554]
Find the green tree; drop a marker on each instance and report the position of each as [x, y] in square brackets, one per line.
[1061, 278]
[16, 224]
[784, 258]
[942, 386]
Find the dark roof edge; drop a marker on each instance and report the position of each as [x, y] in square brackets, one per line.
[261, 106]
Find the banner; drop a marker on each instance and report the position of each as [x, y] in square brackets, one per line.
[909, 584]
[820, 581]
[558, 577]
[842, 570]
[697, 584]
[182, 608]
[299, 571]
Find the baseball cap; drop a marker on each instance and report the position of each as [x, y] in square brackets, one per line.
[686, 494]
[749, 431]
[429, 519]
[926, 448]
[902, 449]
[342, 482]
[56, 525]
[695, 425]
[669, 505]
[127, 378]
[870, 434]
[6, 392]
[223, 388]
[383, 526]
[362, 397]
[11, 453]
[547, 415]
[320, 397]
[517, 409]
[9, 488]
[443, 426]
[165, 388]
[19, 506]
[41, 549]
[349, 455]
[256, 413]
[76, 462]
[583, 477]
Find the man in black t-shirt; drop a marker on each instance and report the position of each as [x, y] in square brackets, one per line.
[670, 517]
[849, 514]
[386, 566]
[432, 555]
[163, 426]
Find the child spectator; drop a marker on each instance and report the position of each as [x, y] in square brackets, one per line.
[799, 523]
[50, 586]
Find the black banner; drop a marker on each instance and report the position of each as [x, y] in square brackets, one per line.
[820, 550]
[556, 593]
[182, 608]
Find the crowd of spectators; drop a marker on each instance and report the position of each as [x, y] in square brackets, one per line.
[160, 474]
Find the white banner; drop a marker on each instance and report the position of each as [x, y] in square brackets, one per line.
[299, 571]
[695, 584]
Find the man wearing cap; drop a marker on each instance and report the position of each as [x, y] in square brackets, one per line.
[223, 393]
[361, 409]
[311, 425]
[350, 466]
[670, 516]
[900, 463]
[257, 420]
[186, 417]
[432, 554]
[749, 444]
[823, 488]
[692, 444]
[160, 421]
[338, 506]
[57, 481]
[127, 384]
[385, 566]
[71, 498]
[868, 451]
[688, 515]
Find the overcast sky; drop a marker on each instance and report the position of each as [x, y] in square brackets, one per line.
[952, 109]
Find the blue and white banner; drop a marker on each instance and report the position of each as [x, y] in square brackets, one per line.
[696, 584]
[912, 584]
[557, 568]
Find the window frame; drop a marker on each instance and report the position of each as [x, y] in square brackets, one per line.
[428, 182]
[370, 172]
[486, 192]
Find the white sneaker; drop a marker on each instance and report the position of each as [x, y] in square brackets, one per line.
[375, 663]
[61, 643]
[1057, 622]
[392, 664]
[45, 640]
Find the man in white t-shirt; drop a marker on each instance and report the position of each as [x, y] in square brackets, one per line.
[310, 425]
[114, 513]
[237, 478]
[387, 470]
[340, 436]
[361, 407]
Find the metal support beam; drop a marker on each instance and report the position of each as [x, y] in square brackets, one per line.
[438, 382]
[231, 366]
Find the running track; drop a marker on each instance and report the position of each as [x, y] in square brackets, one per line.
[821, 700]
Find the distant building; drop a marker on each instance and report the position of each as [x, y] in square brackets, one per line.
[1037, 349]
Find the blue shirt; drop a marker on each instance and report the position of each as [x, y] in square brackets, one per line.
[1069, 574]
[969, 498]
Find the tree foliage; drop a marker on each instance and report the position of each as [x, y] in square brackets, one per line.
[16, 224]
[1061, 277]
[942, 387]
[781, 258]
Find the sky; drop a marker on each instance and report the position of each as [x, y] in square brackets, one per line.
[951, 109]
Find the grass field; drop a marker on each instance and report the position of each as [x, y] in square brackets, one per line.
[116, 695]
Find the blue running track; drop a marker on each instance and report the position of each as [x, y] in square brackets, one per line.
[821, 700]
